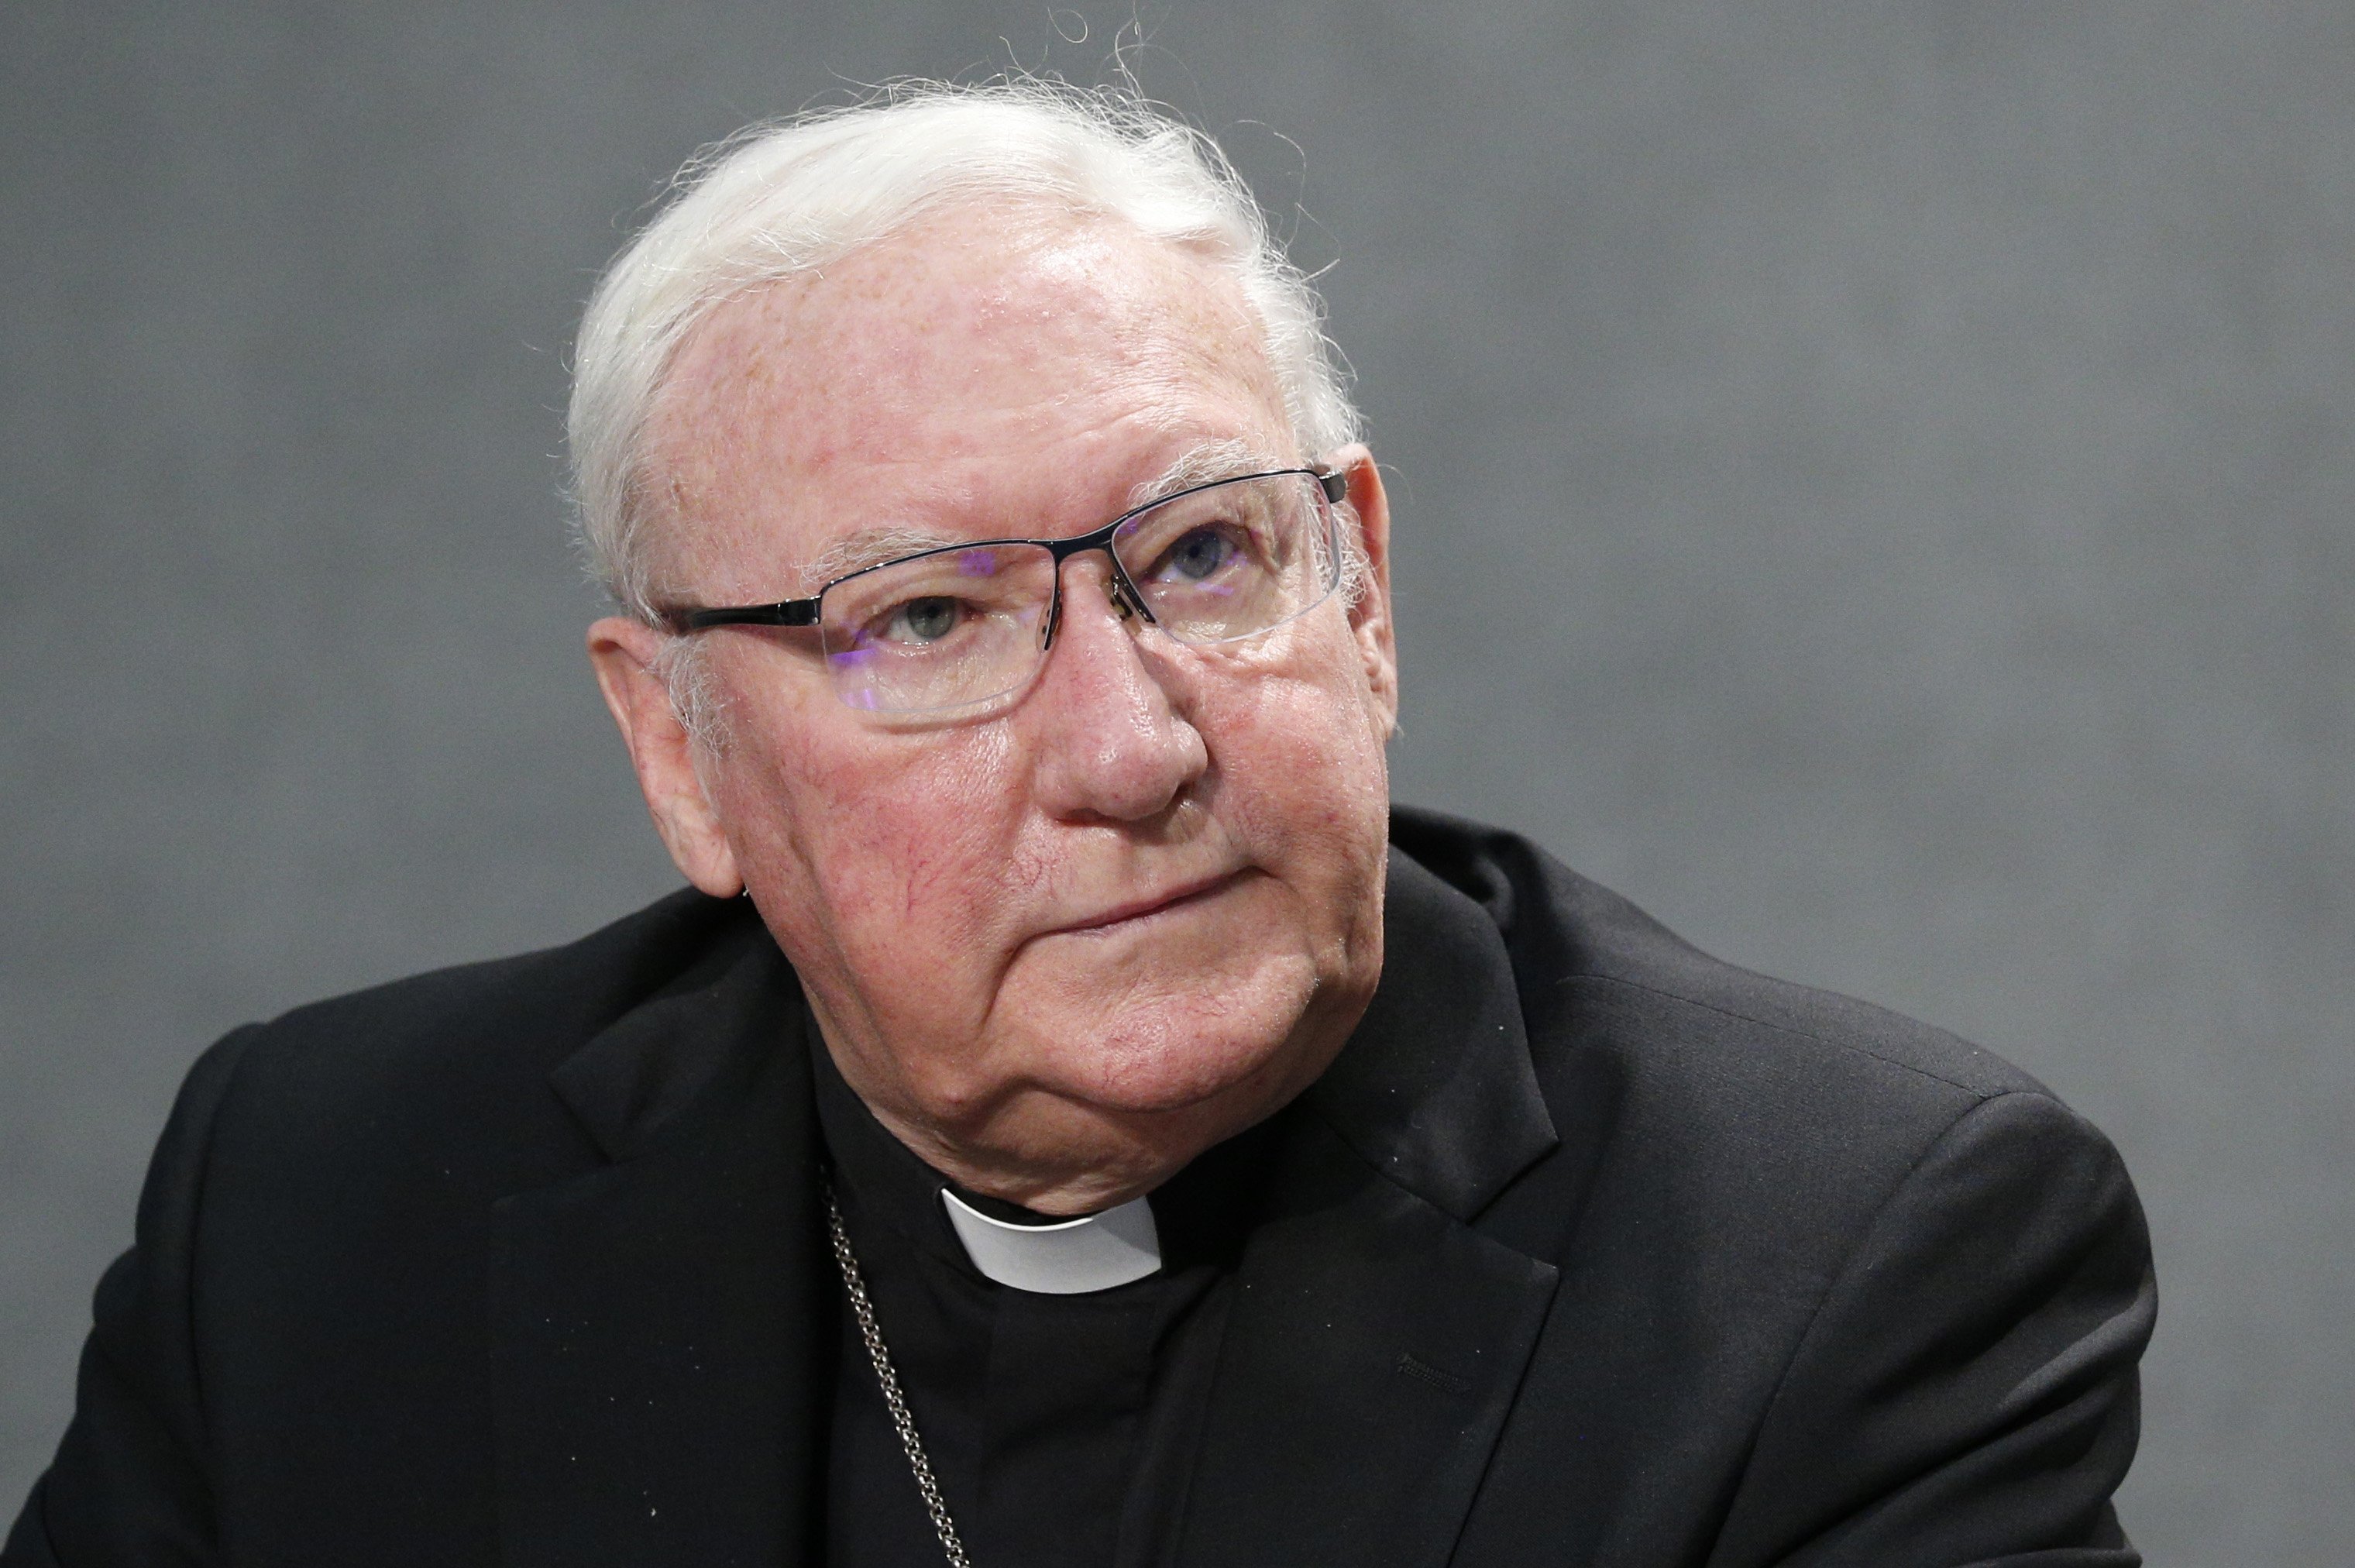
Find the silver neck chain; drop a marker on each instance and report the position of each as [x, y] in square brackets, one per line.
[863, 1309]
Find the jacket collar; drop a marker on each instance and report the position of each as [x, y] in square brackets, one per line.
[1436, 1089]
[1377, 1339]
[693, 1045]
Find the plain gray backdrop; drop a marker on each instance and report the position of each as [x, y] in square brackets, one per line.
[1873, 483]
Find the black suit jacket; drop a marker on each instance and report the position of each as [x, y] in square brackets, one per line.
[1639, 1259]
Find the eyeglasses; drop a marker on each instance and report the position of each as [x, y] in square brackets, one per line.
[959, 625]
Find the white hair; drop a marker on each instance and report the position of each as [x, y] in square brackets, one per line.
[781, 200]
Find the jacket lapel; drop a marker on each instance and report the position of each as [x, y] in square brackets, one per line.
[1376, 1340]
[663, 1326]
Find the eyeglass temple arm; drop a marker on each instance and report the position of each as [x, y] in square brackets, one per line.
[1335, 485]
[791, 612]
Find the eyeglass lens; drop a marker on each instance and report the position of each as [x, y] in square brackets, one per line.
[961, 625]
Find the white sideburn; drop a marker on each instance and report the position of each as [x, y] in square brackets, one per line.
[1094, 1251]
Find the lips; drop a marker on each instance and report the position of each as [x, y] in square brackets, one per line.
[1138, 909]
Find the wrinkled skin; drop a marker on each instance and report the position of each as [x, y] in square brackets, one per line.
[1062, 946]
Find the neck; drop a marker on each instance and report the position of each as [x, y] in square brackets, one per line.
[1097, 1165]
[1062, 1158]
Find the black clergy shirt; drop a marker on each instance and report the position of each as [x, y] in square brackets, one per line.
[1061, 1428]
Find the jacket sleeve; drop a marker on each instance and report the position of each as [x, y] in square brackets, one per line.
[1967, 1394]
[129, 1486]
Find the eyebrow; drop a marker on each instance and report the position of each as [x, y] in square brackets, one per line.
[870, 546]
[1205, 462]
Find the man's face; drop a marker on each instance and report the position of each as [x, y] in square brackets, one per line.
[1060, 944]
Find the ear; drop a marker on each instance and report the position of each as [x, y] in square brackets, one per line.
[1369, 507]
[623, 652]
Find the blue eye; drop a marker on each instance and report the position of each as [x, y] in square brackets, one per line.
[925, 620]
[1200, 555]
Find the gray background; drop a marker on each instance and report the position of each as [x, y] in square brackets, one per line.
[1874, 484]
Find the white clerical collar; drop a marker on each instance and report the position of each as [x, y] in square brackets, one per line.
[1094, 1251]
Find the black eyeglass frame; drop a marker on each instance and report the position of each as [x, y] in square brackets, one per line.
[1333, 481]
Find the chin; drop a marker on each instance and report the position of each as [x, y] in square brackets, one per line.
[1177, 1053]
[1211, 1008]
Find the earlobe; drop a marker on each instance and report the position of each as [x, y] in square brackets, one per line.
[623, 653]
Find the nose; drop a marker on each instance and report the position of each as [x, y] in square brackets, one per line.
[1110, 743]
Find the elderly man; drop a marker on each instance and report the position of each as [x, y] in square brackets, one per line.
[1073, 1118]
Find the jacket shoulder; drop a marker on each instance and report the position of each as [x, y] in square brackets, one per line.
[1593, 968]
[455, 1061]
[1748, 1127]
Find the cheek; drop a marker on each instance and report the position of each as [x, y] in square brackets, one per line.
[891, 851]
[1302, 768]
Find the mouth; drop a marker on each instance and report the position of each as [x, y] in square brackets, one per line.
[1168, 901]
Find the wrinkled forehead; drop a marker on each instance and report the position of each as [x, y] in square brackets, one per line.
[974, 372]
